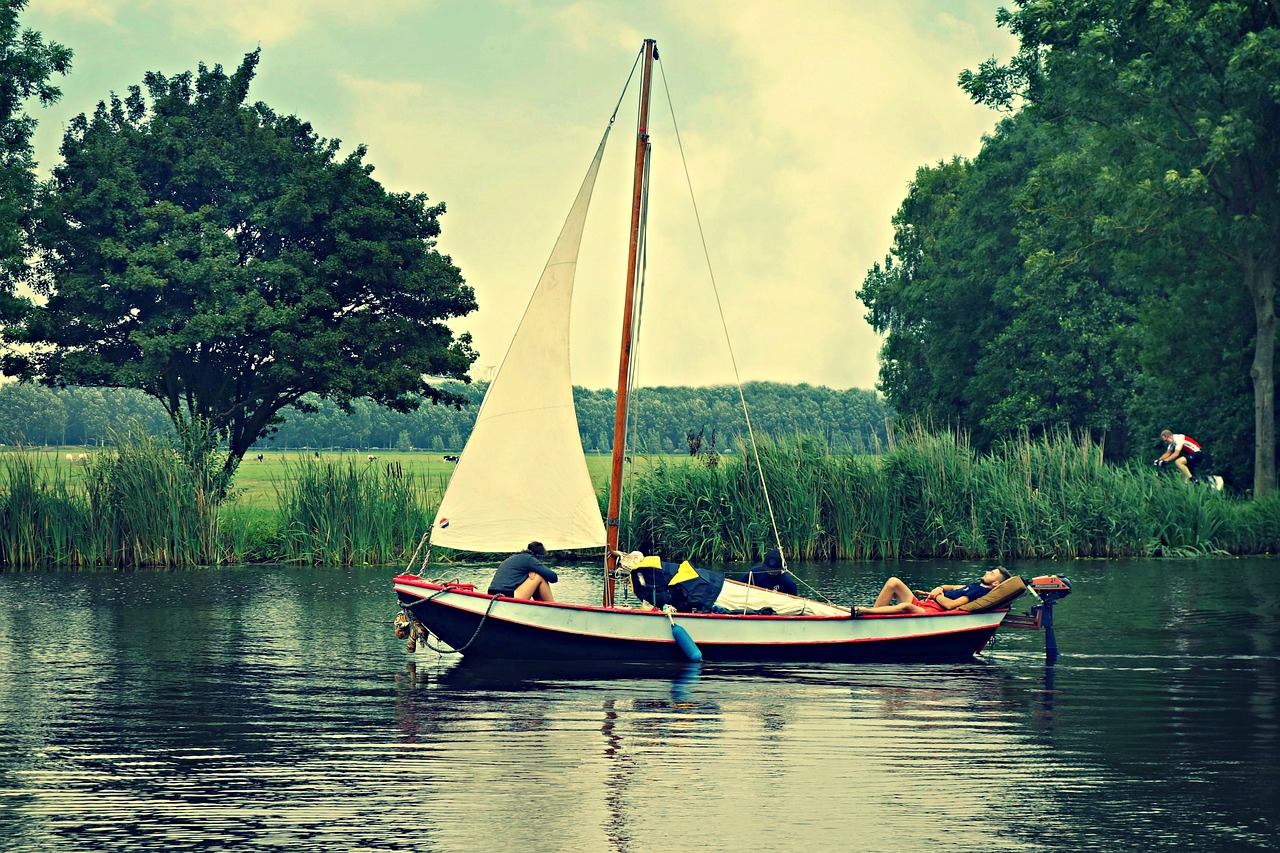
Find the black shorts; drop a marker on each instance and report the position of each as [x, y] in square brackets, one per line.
[1194, 459]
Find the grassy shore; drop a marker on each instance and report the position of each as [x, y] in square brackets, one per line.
[338, 508]
[930, 496]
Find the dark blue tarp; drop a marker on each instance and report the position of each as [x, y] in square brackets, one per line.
[695, 590]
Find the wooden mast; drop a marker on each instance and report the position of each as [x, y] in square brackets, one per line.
[624, 360]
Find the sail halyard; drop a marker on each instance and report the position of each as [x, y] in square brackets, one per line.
[628, 320]
[523, 475]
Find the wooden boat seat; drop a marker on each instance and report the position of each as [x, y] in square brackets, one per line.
[1001, 596]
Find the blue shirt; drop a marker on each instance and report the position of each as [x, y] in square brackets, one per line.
[515, 570]
[774, 579]
[973, 591]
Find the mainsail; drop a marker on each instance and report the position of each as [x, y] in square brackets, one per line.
[522, 476]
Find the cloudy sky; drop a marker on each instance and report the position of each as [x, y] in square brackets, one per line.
[802, 124]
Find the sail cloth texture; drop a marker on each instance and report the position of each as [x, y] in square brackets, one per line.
[522, 476]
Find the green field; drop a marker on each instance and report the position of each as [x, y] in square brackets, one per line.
[255, 482]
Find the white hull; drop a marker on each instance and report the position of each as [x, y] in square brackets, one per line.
[490, 627]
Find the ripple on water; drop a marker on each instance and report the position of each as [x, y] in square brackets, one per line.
[273, 710]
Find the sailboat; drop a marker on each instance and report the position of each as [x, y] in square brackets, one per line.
[523, 477]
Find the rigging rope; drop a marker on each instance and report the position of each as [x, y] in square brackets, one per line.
[773, 522]
[623, 93]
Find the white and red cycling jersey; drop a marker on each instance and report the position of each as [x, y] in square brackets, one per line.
[1181, 442]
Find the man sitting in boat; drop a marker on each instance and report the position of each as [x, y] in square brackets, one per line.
[939, 600]
[523, 576]
[772, 575]
[693, 590]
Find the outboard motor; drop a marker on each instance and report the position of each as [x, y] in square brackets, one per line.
[1050, 589]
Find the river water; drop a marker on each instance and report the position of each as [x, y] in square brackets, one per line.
[272, 708]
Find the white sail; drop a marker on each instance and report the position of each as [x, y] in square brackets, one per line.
[522, 476]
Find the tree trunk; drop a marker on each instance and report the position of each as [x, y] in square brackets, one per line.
[1260, 278]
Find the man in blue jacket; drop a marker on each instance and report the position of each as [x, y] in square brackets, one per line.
[522, 575]
[772, 575]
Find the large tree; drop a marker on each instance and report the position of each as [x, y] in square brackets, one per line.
[1185, 93]
[224, 259]
[986, 329]
[27, 63]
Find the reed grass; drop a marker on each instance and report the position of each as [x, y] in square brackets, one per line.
[43, 517]
[348, 513]
[135, 505]
[932, 496]
[148, 507]
[929, 496]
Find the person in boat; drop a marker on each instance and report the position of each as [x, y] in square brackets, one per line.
[684, 587]
[1182, 450]
[523, 575]
[897, 597]
[772, 575]
[692, 590]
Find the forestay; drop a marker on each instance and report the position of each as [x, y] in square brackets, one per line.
[522, 476]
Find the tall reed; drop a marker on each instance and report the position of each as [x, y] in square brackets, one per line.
[137, 504]
[43, 516]
[150, 508]
[349, 512]
[931, 495]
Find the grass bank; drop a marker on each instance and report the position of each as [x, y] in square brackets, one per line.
[930, 496]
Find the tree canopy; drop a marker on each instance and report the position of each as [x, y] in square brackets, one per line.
[1108, 261]
[27, 63]
[984, 331]
[225, 260]
[1182, 104]
[847, 421]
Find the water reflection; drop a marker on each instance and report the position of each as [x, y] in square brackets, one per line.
[265, 709]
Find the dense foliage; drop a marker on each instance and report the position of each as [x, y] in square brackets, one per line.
[986, 329]
[1108, 261]
[223, 259]
[27, 63]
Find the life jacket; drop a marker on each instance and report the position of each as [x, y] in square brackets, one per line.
[688, 589]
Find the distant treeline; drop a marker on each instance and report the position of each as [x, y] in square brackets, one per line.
[852, 420]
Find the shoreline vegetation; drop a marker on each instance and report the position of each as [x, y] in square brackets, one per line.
[929, 496]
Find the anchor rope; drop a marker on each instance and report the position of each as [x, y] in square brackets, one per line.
[426, 633]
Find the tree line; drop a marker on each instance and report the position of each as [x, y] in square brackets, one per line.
[853, 420]
[1108, 261]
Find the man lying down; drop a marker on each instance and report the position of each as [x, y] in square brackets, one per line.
[694, 590]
